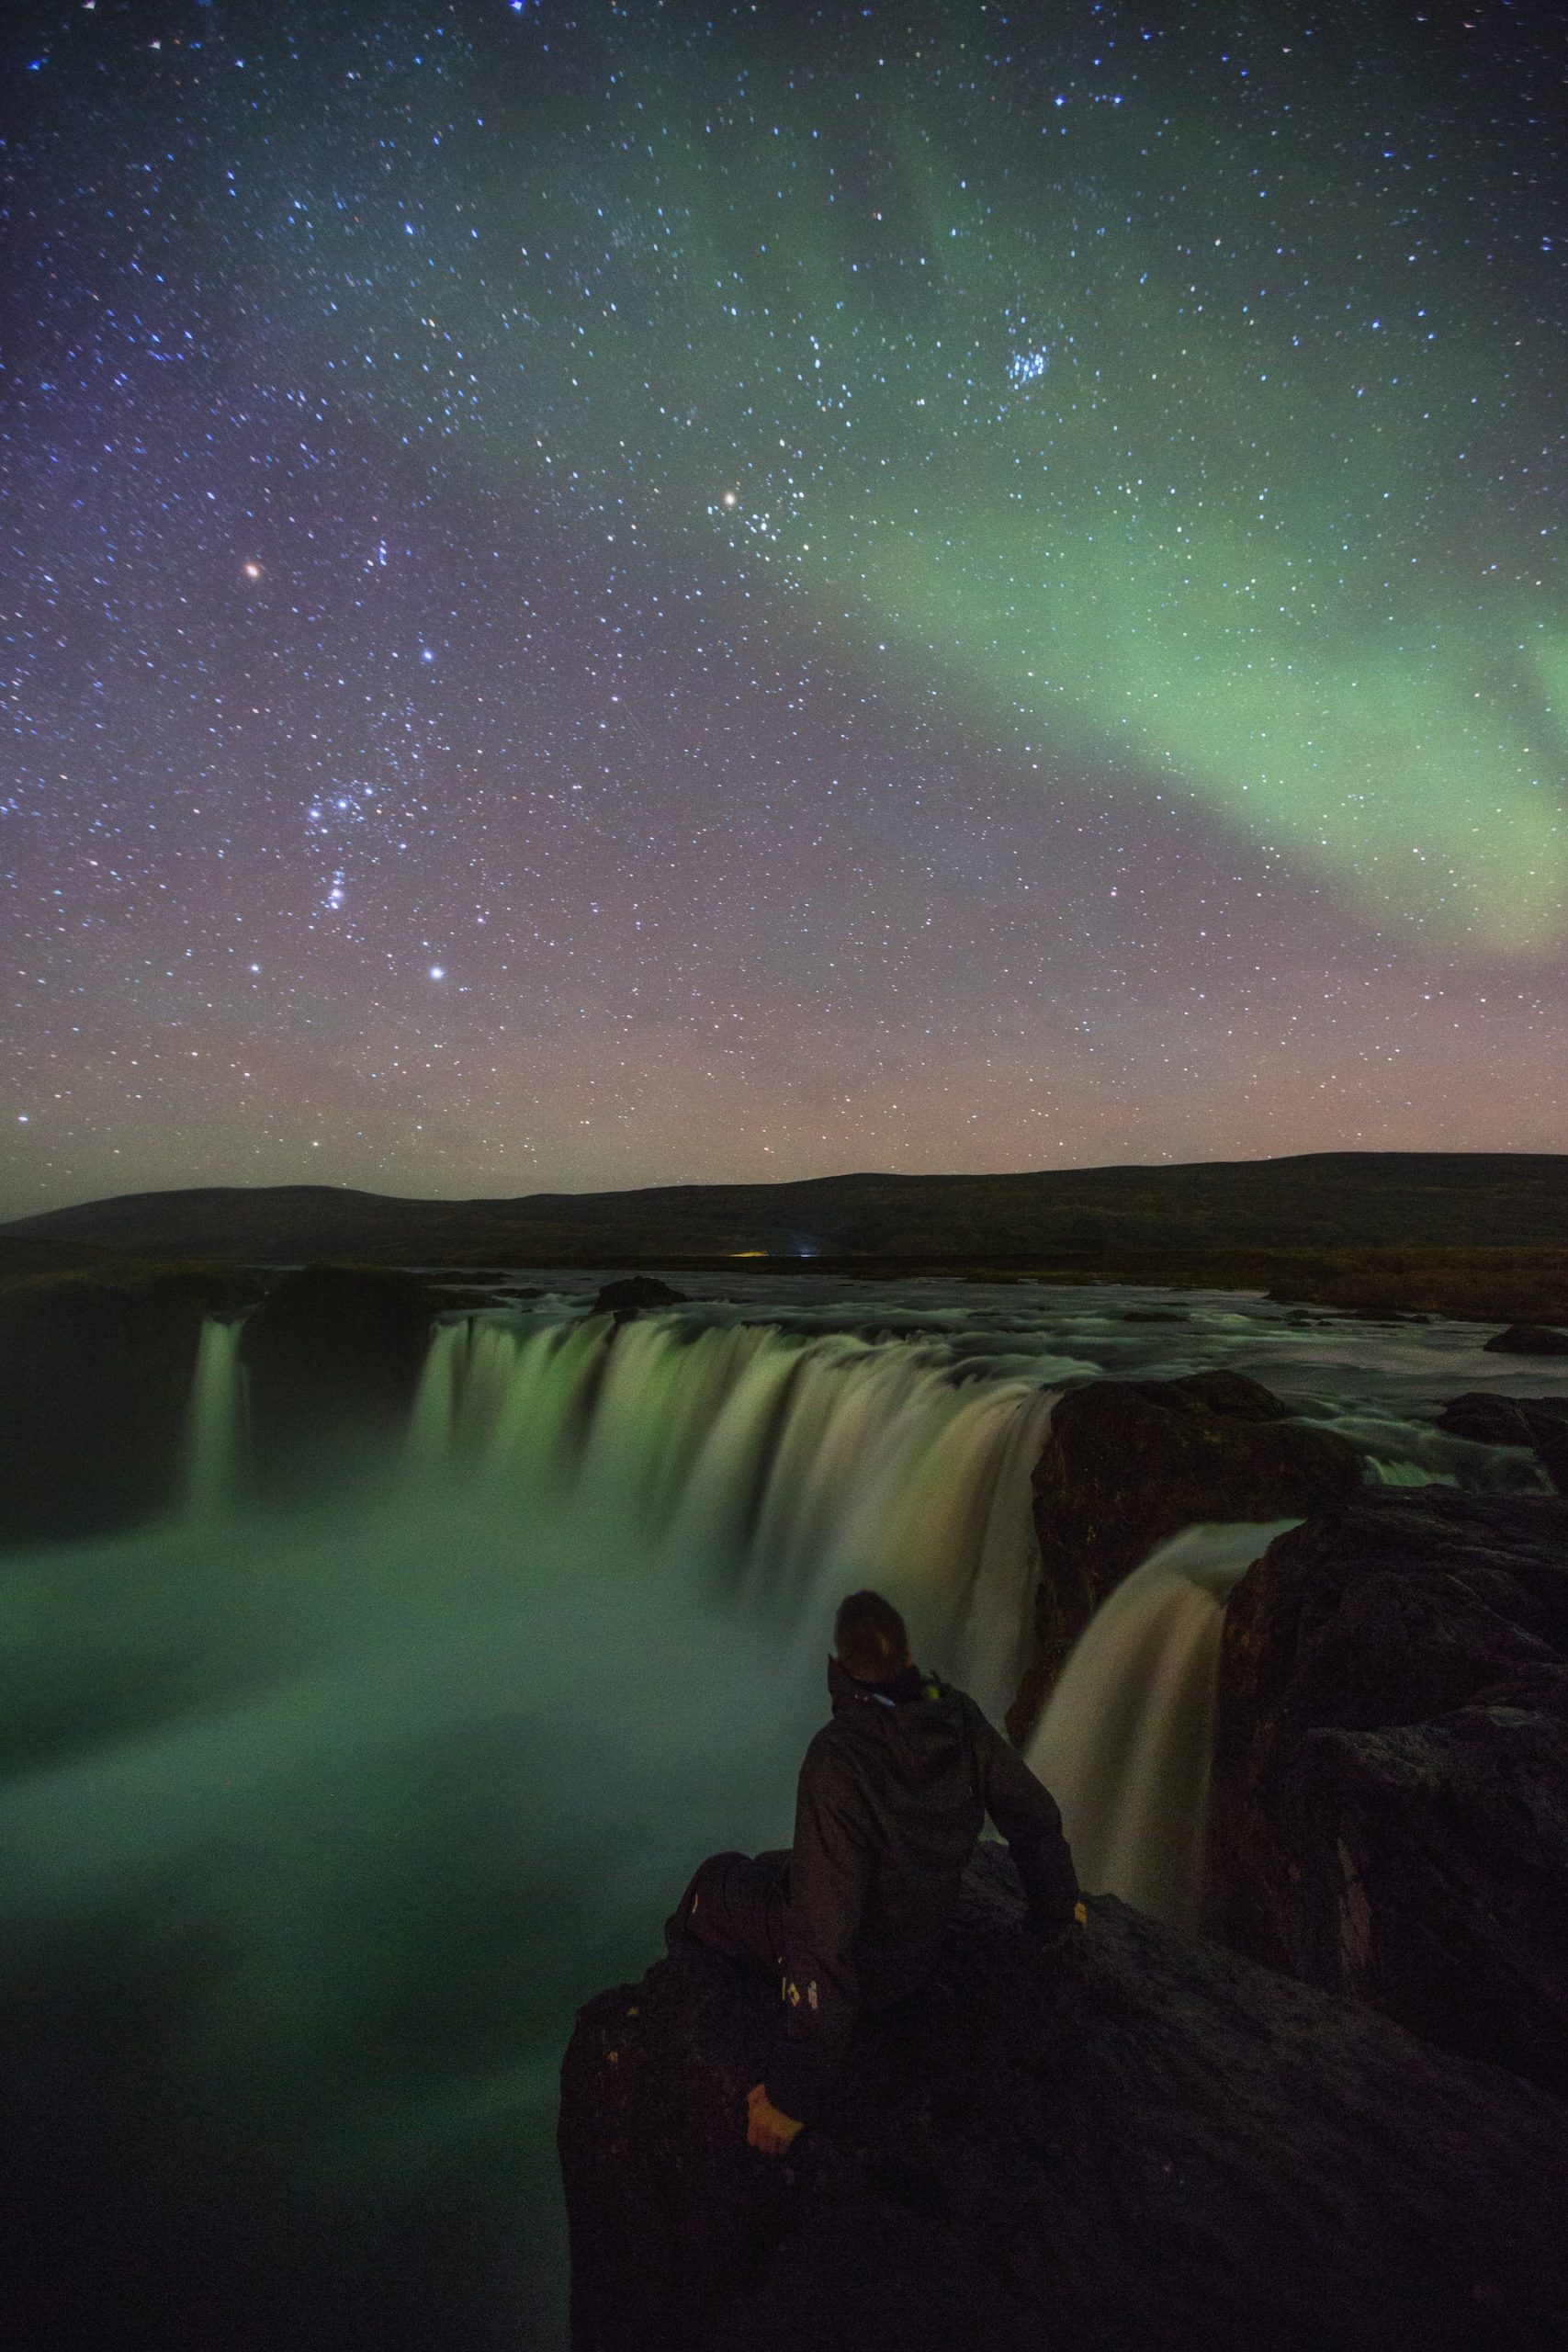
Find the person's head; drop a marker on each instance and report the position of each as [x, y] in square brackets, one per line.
[870, 1638]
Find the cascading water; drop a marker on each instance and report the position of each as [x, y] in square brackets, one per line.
[779, 1471]
[1125, 1740]
[795, 1468]
[1380, 1473]
[215, 1427]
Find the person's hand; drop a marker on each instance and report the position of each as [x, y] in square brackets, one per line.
[1058, 1937]
[766, 2130]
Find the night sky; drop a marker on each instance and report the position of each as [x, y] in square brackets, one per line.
[608, 594]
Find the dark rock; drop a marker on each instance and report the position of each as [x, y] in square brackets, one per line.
[1149, 2146]
[1528, 1339]
[1127, 1463]
[633, 1296]
[334, 1355]
[1390, 1802]
[95, 1387]
[1538, 1421]
[1153, 1315]
[450, 1297]
[1490, 1418]
[1228, 1393]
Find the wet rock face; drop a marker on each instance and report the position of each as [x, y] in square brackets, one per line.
[335, 1354]
[1128, 1463]
[633, 1296]
[1389, 1804]
[94, 1383]
[1148, 2146]
[1540, 1422]
[1529, 1340]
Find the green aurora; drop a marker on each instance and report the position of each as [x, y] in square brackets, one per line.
[1135, 432]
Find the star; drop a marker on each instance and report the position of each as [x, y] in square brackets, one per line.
[1108, 723]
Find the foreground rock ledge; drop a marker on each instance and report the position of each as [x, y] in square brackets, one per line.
[1154, 2144]
[1389, 1803]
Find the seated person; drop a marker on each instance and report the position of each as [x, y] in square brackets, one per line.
[891, 1799]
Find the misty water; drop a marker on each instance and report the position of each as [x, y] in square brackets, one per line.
[318, 1827]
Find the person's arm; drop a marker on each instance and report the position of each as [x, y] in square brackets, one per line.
[1028, 1816]
[828, 1872]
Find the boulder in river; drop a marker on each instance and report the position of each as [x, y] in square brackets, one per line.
[1390, 1796]
[1528, 1339]
[634, 1294]
[334, 1355]
[1147, 2146]
[1125, 1464]
[1540, 1422]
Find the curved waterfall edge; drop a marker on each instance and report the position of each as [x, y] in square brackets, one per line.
[1126, 1744]
[776, 1469]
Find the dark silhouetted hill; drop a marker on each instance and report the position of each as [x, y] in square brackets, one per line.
[1327, 1201]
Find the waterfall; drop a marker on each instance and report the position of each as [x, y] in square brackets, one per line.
[1124, 1743]
[215, 1425]
[768, 1473]
[1378, 1472]
[797, 1467]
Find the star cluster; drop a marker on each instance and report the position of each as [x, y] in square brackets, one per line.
[633, 593]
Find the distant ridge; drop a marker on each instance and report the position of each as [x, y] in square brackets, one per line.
[1314, 1201]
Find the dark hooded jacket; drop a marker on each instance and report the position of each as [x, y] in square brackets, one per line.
[893, 1795]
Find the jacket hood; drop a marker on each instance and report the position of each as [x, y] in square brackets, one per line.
[845, 1691]
[916, 1718]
